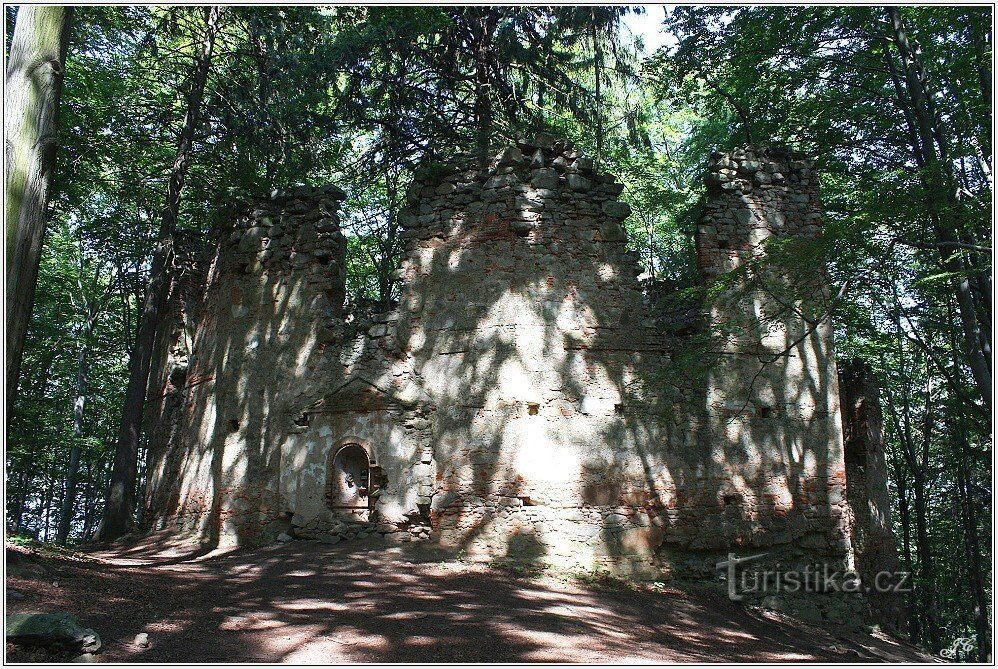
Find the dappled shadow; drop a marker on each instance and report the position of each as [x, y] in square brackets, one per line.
[273, 285]
[525, 399]
[159, 548]
[306, 602]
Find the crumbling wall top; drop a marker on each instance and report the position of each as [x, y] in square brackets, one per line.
[754, 193]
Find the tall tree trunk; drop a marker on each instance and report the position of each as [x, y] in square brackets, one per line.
[483, 24]
[916, 458]
[972, 548]
[28, 462]
[31, 103]
[73, 469]
[120, 500]
[598, 72]
[91, 493]
[45, 512]
[927, 568]
[904, 513]
[22, 496]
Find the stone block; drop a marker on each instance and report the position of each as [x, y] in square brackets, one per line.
[616, 210]
[51, 630]
[579, 183]
[544, 178]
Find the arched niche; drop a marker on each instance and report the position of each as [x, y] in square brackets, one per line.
[352, 479]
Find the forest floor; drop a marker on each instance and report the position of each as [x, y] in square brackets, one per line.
[306, 602]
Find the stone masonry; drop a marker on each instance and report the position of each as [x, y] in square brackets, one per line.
[866, 470]
[529, 398]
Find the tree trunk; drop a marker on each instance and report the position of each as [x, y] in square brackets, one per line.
[972, 548]
[73, 470]
[120, 500]
[482, 28]
[91, 494]
[598, 72]
[22, 495]
[45, 512]
[31, 103]
[904, 513]
[927, 568]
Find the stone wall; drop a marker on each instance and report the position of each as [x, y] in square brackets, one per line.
[275, 285]
[528, 398]
[772, 392]
[866, 469]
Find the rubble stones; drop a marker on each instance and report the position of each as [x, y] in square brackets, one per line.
[618, 210]
[579, 183]
[511, 155]
[521, 227]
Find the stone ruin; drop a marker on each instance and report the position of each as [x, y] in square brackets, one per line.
[529, 398]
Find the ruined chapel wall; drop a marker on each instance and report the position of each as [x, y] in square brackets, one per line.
[564, 426]
[168, 376]
[525, 398]
[276, 282]
[773, 399]
[873, 537]
[519, 301]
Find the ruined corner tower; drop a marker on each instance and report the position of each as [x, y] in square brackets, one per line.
[529, 398]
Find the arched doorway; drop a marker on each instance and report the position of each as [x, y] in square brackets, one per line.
[349, 481]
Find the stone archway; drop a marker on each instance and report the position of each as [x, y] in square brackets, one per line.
[348, 489]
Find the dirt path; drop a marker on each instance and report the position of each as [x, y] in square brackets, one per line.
[311, 603]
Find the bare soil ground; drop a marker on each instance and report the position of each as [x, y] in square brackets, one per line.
[361, 601]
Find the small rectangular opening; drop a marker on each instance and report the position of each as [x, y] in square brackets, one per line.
[533, 408]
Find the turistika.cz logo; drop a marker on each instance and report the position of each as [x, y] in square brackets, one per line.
[812, 578]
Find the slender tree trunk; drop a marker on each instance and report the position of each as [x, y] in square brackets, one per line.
[120, 501]
[972, 548]
[73, 469]
[483, 25]
[45, 513]
[927, 570]
[31, 103]
[90, 494]
[598, 72]
[904, 513]
[28, 462]
[916, 458]
[22, 495]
